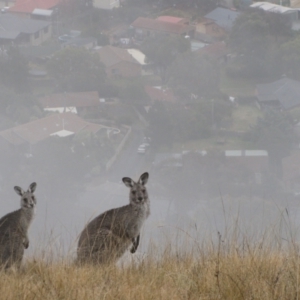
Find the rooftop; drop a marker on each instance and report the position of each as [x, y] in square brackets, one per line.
[267, 6]
[285, 90]
[223, 17]
[111, 56]
[39, 130]
[28, 6]
[11, 26]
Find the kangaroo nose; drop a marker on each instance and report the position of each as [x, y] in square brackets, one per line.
[140, 198]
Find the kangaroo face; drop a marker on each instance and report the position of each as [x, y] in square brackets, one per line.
[28, 199]
[138, 192]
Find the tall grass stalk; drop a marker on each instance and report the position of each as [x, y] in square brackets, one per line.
[234, 264]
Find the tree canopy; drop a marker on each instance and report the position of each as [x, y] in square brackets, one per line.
[191, 74]
[77, 70]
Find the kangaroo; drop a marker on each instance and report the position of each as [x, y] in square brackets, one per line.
[106, 238]
[14, 227]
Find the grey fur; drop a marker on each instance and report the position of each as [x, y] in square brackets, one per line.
[14, 227]
[106, 238]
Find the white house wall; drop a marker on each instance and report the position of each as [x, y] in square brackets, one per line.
[43, 36]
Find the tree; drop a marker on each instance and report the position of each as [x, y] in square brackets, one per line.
[255, 40]
[249, 38]
[290, 58]
[77, 70]
[191, 74]
[162, 51]
[134, 93]
[17, 108]
[14, 70]
[160, 125]
[274, 133]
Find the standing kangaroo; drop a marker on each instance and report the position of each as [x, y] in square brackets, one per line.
[14, 227]
[109, 235]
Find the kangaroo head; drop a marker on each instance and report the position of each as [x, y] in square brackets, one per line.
[28, 199]
[138, 192]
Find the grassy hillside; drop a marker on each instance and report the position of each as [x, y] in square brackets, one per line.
[234, 268]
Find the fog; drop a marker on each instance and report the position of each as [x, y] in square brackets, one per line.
[89, 96]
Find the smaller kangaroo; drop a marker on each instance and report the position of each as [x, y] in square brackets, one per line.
[106, 238]
[14, 227]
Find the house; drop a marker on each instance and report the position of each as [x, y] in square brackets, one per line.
[25, 136]
[25, 8]
[14, 30]
[218, 23]
[106, 4]
[70, 102]
[290, 14]
[122, 62]
[146, 27]
[173, 20]
[283, 93]
[158, 93]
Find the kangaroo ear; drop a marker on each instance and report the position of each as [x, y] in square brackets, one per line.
[144, 178]
[128, 182]
[19, 190]
[32, 187]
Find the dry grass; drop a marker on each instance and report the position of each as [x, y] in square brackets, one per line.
[233, 268]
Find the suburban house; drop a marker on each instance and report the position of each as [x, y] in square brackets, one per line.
[291, 14]
[122, 62]
[164, 25]
[34, 8]
[217, 23]
[283, 93]
[106, 4]
[61, 125]
[71, 102]
[159, 93]
[14, 30]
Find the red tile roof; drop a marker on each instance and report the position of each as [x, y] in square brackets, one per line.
[39, 130]
[111, 56]
[27, 6]
[84, 99]
[170, 19]
[160, 94]
[157, 25]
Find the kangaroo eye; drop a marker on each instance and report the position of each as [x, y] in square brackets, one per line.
[133, 192]
[144, 191]
[33, 198]
[25, 200]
